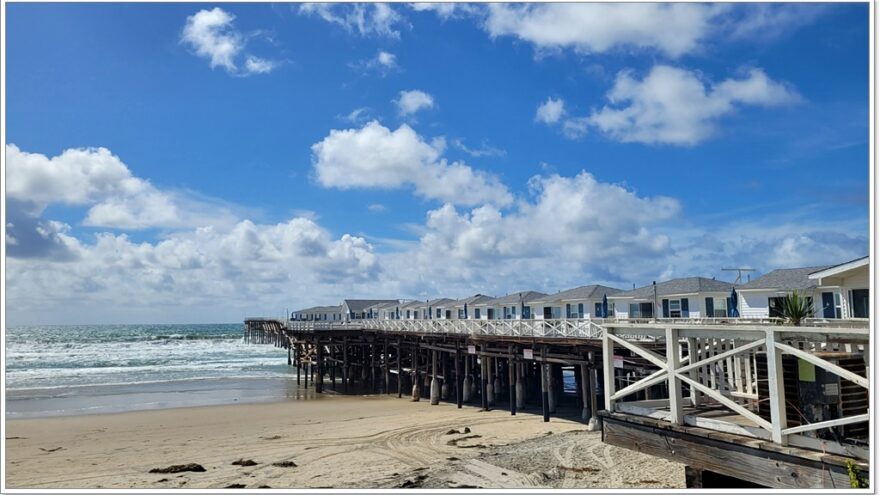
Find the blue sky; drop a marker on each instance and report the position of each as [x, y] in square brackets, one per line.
[267, 156]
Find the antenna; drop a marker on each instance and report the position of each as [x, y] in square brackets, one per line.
[739, 273]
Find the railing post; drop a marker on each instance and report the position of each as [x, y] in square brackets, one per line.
[673, 361]
[776, 385]
[608, 369]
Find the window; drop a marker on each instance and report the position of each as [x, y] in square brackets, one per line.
[439, 313]
[720, 307]
[675, 308]
[580, 313]
[527, 312]
[860, 303]
[490, 313]
[634, 310]
[476, 313]
[513, 312]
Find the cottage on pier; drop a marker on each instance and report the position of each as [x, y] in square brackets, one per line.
[691, 297]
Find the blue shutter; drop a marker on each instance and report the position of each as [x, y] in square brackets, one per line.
[666, 308]
[710, 308]
[685, 311]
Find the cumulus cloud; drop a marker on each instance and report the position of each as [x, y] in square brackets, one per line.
[203, 268]
[483, 151]
[671, 29]
[553, 112]
[383, 63]
[447, 10]
[410, 102]
[675, 106]
[96, 179]
[212, 35]
[550, 111]
[767, 21]
[372, 19]
[377, 157]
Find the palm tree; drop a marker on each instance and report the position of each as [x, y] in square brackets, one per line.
[795, 308]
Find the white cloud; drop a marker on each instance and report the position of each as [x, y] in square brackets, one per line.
[575, 127]
[384, 62]
[95, 178]
[372, 19]
[257, 65]
[447, 10]
[212, 35]
[410, 102]
[377, 208]
[767, 21]
[356, 116]
[483, 151]
[553, 112]
[376, 157]
[675, 106]
[227, 270]
[671, 29]
[550, 111]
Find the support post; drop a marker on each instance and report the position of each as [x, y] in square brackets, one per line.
[585, 392]
[344, 365]
[608, 369]
[483, 381]
[673, 362]
[519, 369]
[511, 378]
[399, 368]
[319, 378]
[435, 382]
[545, 396]
[385, 372]
[776, 386]
[416, 391]
[459, 379]
[466, 380]
[490, 381]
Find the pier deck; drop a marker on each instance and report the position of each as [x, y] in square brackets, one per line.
[720, 396]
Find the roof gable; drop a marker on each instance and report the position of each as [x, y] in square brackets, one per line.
[784, 279]
[689, 285]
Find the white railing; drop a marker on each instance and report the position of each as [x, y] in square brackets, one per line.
[720, 367]
[571, 328]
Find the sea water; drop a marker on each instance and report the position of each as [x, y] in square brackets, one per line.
[63, 370]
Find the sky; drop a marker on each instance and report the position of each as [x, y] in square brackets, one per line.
[205, 163]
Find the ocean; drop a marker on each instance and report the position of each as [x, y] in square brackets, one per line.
[90, 369]
[93, 369]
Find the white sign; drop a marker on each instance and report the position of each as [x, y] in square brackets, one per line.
[472, 349]
[618, 361]
[528, 354]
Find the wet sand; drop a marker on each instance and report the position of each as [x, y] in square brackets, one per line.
[333, 441]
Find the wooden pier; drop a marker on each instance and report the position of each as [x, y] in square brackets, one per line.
[739, 402]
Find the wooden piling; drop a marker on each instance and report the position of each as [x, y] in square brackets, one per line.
[511, 373]
[435, 382]
[545, 397]
[416, 390]
[399, 368]
[483, 380]
[459, 379]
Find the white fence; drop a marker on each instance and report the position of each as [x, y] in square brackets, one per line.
[720, 366]
[570, 328]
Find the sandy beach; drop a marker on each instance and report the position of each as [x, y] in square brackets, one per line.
[334, 441]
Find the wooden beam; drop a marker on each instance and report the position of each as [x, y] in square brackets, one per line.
[837, 370]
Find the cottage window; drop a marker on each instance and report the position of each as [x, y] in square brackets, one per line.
[720, 304]
[675, 308]
[476, 313]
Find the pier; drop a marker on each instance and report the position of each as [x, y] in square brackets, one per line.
[739, 402]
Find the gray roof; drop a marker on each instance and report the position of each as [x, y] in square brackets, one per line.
[433, 303]
[470, 301]
[584, 292]
[785, 279]
[320, 309]
[527, 296]
[687, 285]
[358, 305]
[392, 304]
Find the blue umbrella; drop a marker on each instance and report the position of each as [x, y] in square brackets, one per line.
[604, 306]
[732, 310]
[465, 311]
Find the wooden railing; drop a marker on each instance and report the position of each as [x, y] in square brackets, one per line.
[720, 366]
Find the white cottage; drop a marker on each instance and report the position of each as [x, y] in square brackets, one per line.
[844, 289]
[318, 313]
[361, 309]
[464, 309]
[762, 297]
[691, 297]
[516, 306]
[580, 302]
